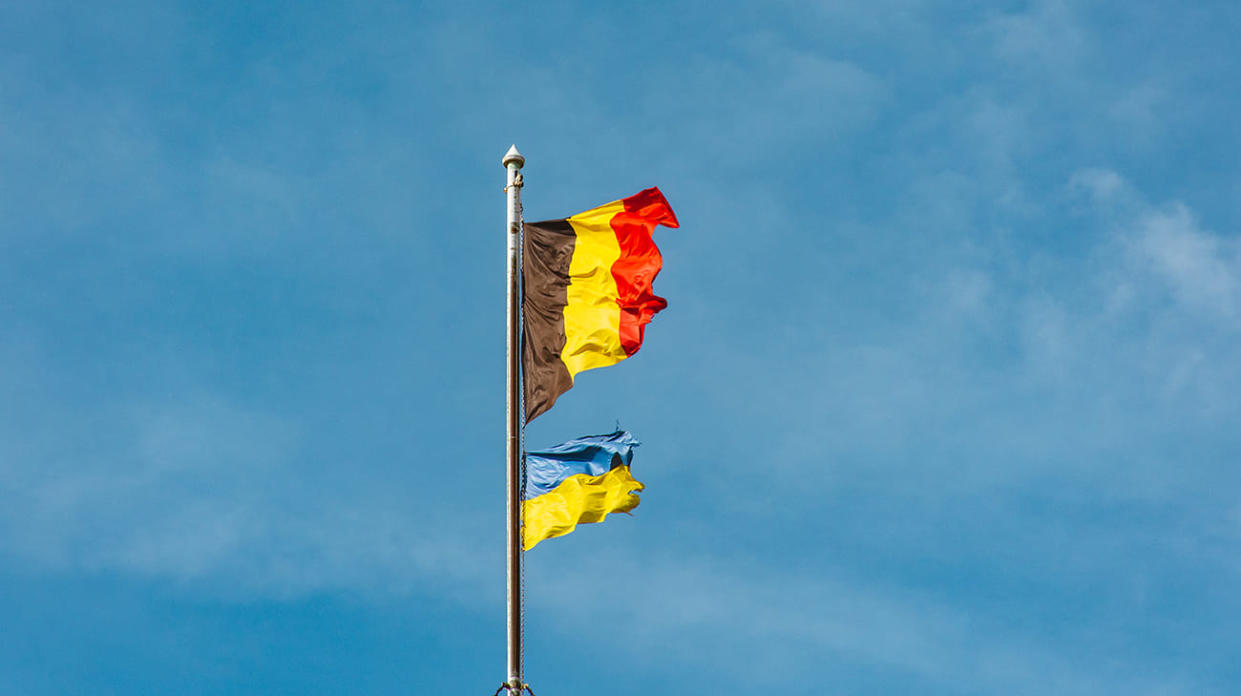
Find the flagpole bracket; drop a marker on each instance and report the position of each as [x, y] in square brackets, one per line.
[514, 690]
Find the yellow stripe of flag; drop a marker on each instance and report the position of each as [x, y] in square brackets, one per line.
[579, 499]
[591, 313]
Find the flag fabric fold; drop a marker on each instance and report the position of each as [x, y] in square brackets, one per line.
[577, 482]
[588, 291]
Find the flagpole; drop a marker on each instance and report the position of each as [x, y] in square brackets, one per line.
[513, 162]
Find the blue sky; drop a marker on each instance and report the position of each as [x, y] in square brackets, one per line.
[944, 402]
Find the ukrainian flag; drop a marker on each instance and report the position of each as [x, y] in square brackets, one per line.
[580, 481]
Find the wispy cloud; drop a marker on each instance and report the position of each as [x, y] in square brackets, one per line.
[776, 627]
[1202, 270]
[204, 493]
[1048, 36]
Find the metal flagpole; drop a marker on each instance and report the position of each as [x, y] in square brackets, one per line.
[513, 162]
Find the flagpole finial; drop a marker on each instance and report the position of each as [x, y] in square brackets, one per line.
[514, 157]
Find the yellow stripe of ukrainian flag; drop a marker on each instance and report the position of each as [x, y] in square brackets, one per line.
[577, 500]
[591, 314]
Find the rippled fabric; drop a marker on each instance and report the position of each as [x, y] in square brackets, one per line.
[578, 500]
[588, 291]
[592, 455]
[580, 481]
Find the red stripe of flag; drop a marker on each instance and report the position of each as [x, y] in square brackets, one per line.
[639, 263]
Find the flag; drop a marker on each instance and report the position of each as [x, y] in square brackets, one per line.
[588, 293]
[580, 481]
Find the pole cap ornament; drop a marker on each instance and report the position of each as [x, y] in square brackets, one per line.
[513, 156]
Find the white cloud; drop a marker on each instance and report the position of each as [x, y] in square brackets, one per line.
[1160, 249]
[991, 366]
[1103, 185]
[968, 292]
[777, 628]
[1202, 269]
[1141, 109]
[204, 492]
[765, 97]
[1049, 36]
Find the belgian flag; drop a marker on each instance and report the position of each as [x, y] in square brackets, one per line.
[588, 292]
